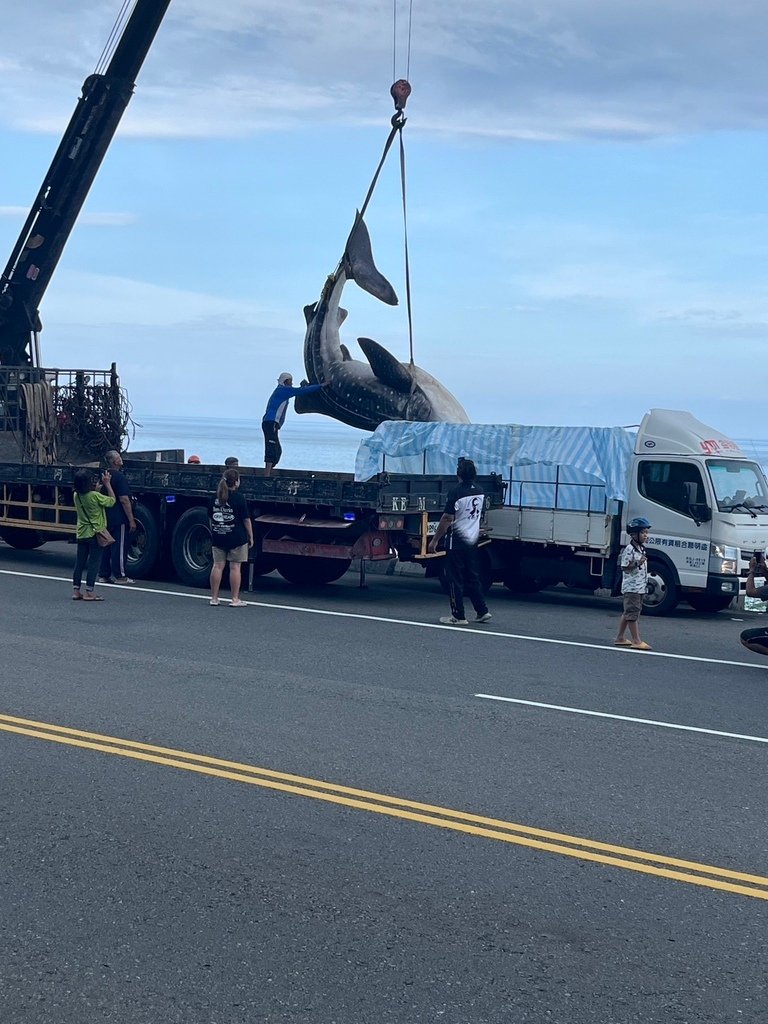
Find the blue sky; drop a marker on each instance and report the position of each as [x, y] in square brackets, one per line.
[586, 194]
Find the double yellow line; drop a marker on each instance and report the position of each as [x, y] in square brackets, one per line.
[624, 857]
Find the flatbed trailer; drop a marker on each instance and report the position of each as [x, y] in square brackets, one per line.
[308, 525]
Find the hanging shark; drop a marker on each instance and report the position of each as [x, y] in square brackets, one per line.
[365, 394]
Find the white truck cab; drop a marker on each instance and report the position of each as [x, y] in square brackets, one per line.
[708, 506]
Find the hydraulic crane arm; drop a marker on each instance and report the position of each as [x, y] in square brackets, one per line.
[67, 183]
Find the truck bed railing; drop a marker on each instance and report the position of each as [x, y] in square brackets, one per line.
[545, 488]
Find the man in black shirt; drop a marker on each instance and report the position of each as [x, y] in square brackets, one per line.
[120, 523]
[461, 523]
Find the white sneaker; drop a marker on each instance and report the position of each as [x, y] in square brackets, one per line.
[485, 617]
[449, 620]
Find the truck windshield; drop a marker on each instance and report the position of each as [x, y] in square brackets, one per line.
[739, 486]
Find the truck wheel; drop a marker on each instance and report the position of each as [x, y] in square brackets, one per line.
[518, 584]
[191, 548]
[144, 549]
[708, 602]
[663, 592]
[24, 540]
[311, 571]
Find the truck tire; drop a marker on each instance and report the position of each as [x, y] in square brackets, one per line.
[663, 592]
[708, 602]
[305, 571]
[23, 540]
[518, 584]
[191, 548]
[143, 551]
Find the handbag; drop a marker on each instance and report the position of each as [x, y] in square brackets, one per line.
[103, 537]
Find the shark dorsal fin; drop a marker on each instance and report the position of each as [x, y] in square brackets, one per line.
[386, 368]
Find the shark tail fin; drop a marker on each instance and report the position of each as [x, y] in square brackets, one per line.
[358, 257]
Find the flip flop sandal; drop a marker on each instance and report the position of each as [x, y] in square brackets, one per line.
[238, 604]
[96, 598]
[214, 602]
[77, 596]
[622, 643]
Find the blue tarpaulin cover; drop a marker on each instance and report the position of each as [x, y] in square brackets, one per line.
[540, 455]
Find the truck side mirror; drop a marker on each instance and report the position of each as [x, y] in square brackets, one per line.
[699, 511]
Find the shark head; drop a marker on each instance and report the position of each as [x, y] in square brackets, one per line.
[365, 393]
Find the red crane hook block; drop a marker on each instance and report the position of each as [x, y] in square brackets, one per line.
[400, 92]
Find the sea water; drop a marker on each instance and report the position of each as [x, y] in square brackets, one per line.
[314, 444]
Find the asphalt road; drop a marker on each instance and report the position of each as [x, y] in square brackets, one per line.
[301, 810]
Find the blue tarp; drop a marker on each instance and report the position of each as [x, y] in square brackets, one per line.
[535, 459]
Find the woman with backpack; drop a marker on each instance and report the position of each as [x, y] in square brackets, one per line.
[231, 535]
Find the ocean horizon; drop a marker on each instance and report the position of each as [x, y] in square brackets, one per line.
[317, 444]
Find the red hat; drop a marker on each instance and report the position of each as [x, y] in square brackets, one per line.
[195, 459]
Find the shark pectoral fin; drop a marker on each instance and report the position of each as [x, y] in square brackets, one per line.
[344, 352]
[359, 259]
[386, 368]
[343, 314]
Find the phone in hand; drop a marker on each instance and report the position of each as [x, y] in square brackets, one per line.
[759, 555]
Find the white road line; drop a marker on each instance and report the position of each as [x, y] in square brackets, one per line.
[623, 652]
[624, 718]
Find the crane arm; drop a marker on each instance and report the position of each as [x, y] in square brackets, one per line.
[66, 185]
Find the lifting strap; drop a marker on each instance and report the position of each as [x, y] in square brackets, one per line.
[400, 92]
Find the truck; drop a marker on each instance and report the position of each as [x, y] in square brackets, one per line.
[307, 525]
[571, 491]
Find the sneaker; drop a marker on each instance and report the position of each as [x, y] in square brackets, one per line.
[485, 617]
[122, 579]
[449, 620]
[106, 579]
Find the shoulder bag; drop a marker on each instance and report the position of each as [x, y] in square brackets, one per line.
[103, 537]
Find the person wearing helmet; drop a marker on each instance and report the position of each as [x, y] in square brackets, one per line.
[633, 563]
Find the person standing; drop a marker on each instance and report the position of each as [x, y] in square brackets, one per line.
[460, 524]
[231, 462]
[633, 562]
[231, 535]
[120, 523]
[756, 639]
[91, 507]
[274, 416]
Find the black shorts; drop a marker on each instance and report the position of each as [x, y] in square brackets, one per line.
[272, 449]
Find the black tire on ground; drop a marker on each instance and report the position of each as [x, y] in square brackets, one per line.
[191, 548]
[305, 571]
[263, 565]
[143, 551]
[23, 539]
[663, 592]
[708, 602]
[518, 584]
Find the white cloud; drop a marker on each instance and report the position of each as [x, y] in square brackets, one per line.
[559, 69]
